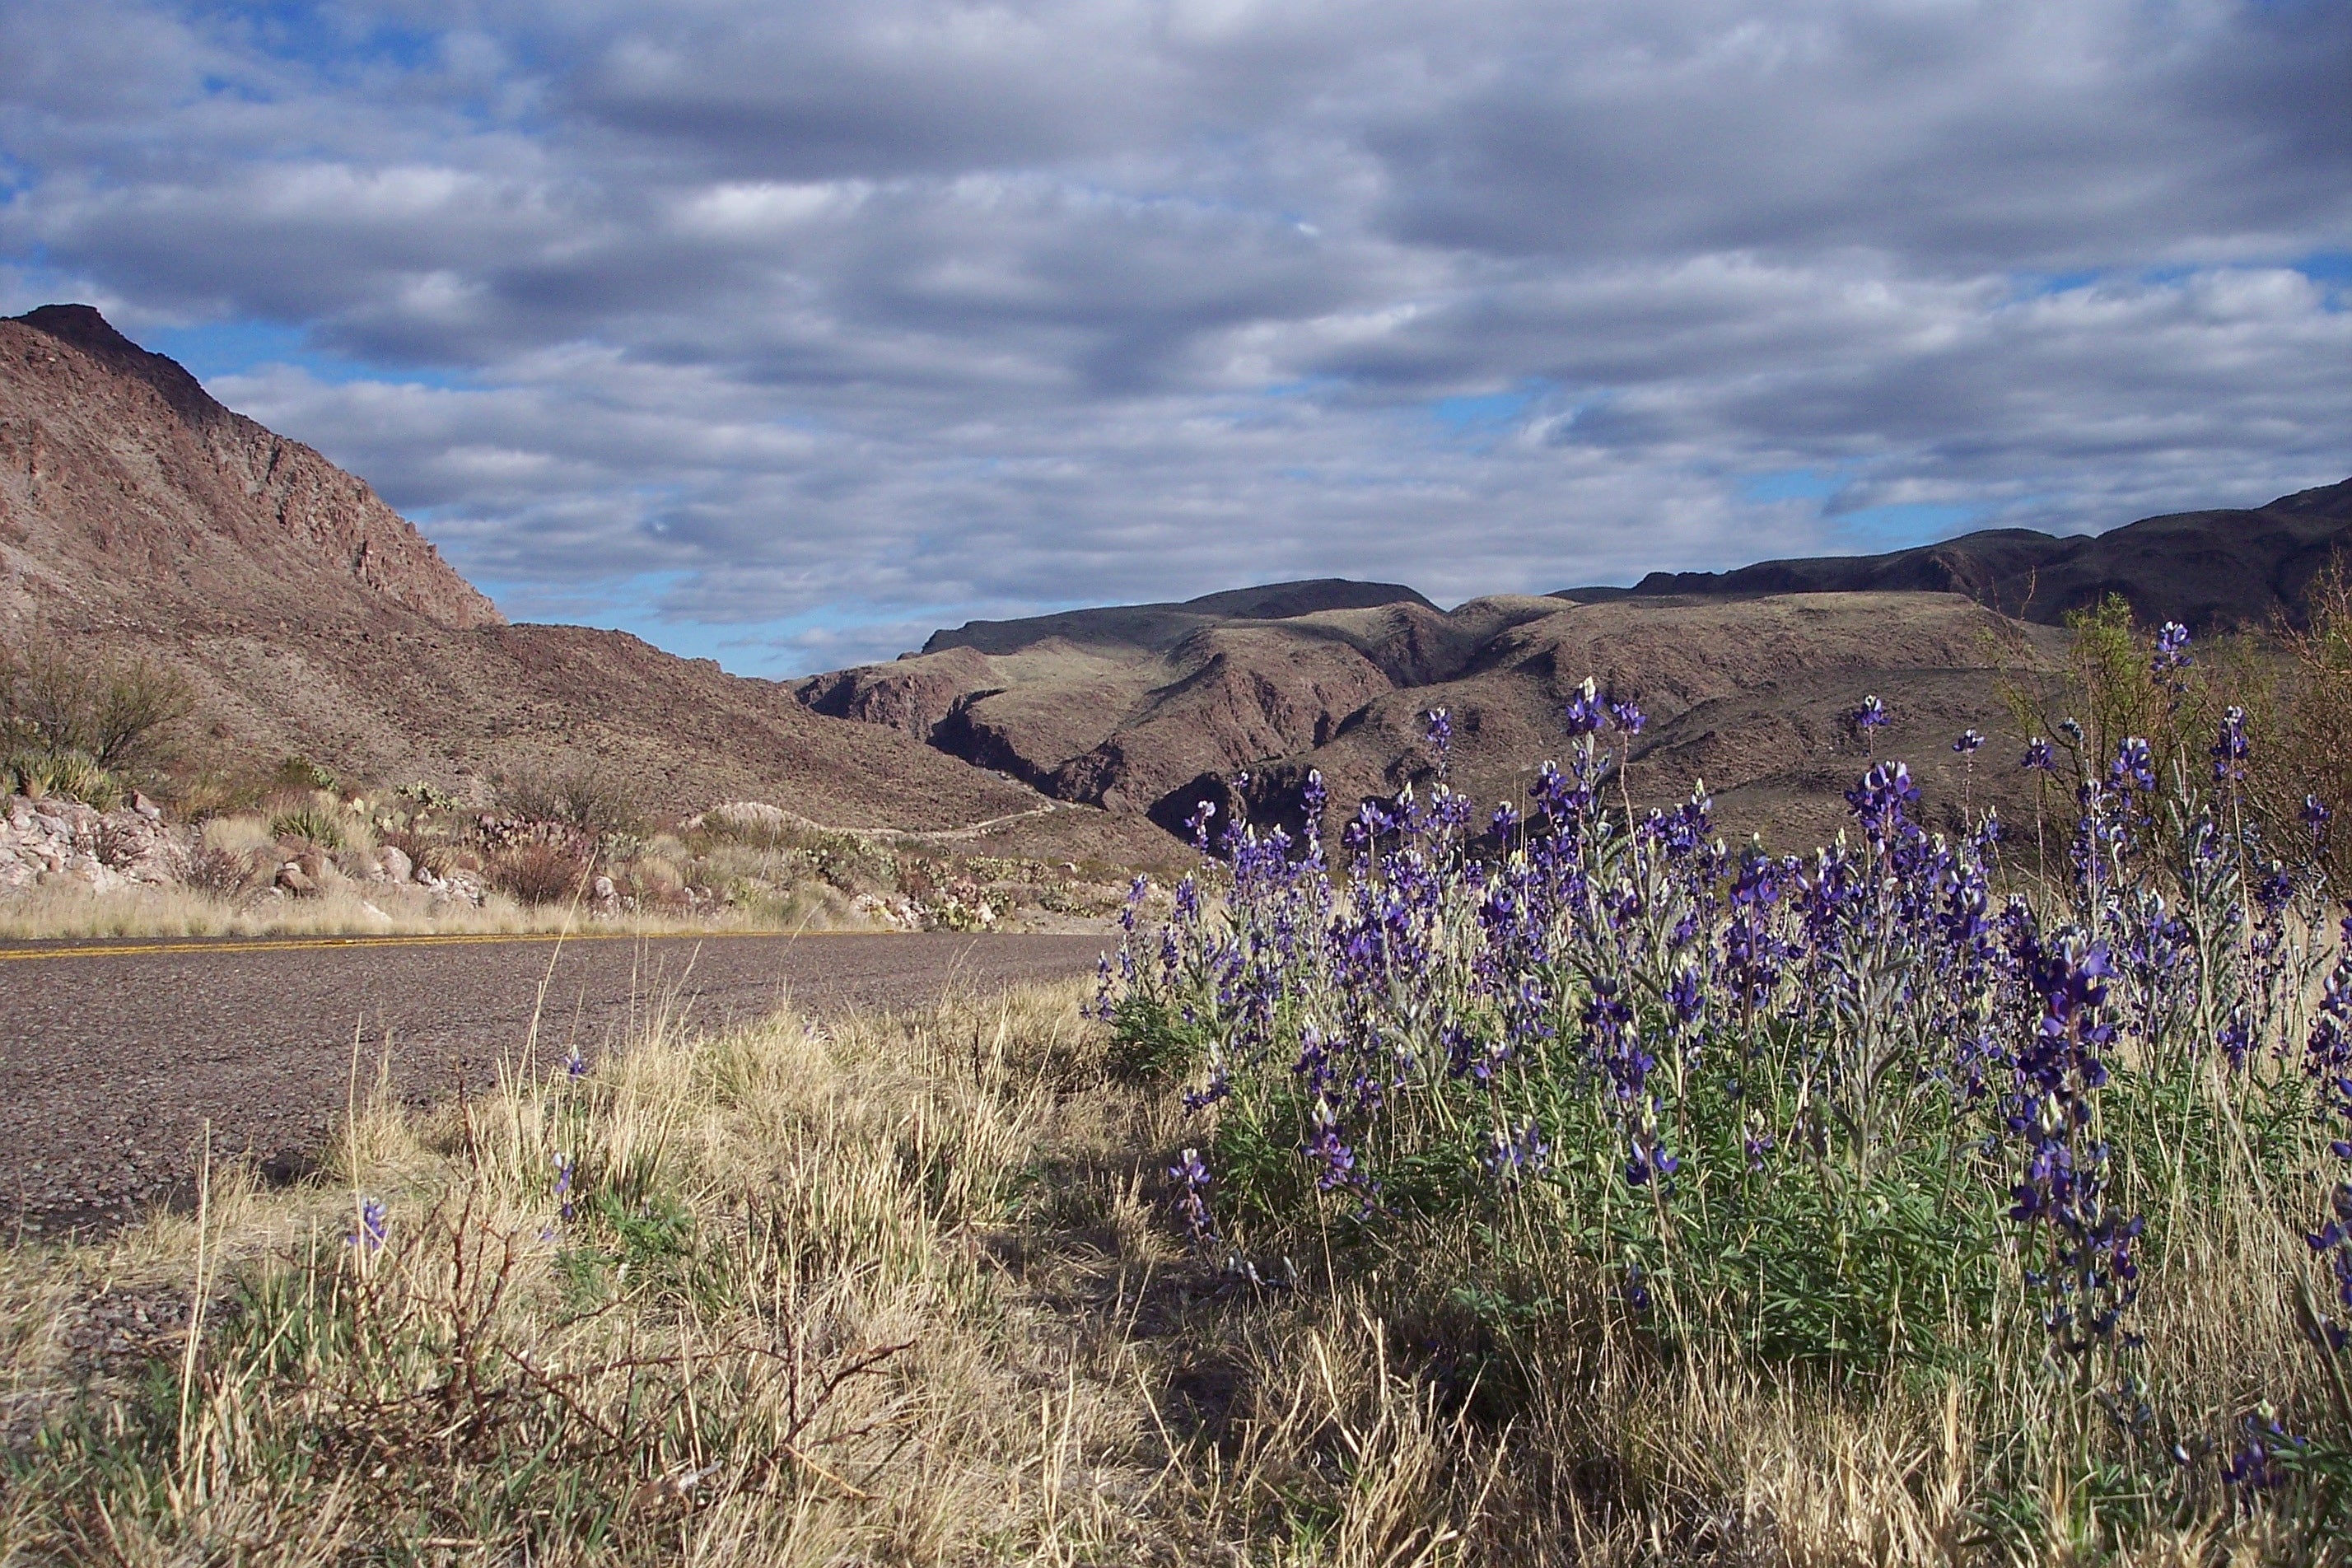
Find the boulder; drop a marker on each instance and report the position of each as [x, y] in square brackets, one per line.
[394, 864]
[295, 880]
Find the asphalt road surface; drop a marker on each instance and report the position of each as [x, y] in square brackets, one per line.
[113, 1056]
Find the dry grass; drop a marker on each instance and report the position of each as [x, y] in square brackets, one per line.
[349, 908]
[902, 1290]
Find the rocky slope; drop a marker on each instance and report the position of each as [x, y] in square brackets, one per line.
[126, 492]
[138, 515]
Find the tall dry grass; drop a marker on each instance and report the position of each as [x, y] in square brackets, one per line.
[902, 1289]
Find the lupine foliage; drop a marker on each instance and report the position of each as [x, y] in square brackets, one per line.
[1582, 1072]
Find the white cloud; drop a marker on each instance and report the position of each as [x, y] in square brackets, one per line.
[821, 320]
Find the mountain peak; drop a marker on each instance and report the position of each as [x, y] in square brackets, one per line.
[82, 327]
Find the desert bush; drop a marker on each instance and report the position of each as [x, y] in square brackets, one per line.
[312, 823]
[300, 774]
[63, 776]
[221, 871]
[117, 711]
[1851, 1122]
[539, 873]
[594, 801]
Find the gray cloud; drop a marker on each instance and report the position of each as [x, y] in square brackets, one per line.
[788, 331]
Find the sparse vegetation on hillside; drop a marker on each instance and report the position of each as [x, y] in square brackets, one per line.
[295, 848]
[82, 728]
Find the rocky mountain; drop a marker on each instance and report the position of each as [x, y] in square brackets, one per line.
[2204, 569]
[127, 492]
[137, 515]
[1149, 710]
[1746, 674]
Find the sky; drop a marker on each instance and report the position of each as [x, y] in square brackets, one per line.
[780, 333]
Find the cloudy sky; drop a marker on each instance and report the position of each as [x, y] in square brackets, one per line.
[781, 332]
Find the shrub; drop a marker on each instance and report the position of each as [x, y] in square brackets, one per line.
[594, 802]
[117, 711]
[540, 873]
[64, 775]
[300, 774]
[311, 824]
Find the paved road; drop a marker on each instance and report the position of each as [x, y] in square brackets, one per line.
[114, 1055]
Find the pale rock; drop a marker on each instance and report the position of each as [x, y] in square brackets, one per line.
[393, 863]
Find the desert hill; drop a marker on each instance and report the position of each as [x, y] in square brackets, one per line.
[1130, 712]
[2204, 569]
[138, 515]
[1746, 674]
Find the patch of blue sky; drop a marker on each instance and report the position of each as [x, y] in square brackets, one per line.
[233, 348]
[1485, 412]
[329, 36]
[2326, 265]
[1904, 523]
[1792, 484]
[2040, 285]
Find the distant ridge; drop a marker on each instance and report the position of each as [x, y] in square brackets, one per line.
[1164, 624]
[1151, 709]
[2204, 569]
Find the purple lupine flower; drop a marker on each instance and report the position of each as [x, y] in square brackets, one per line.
[2133, 767]
[1440, 731]
[1587, 713]
[1882, 800]
[1511, 1160]
[2315, 816]
[1870, 716]
[1628, 715]
[2230, 749]
[1328, 1150]
[574, 1064]
[2039, 755]
[1969, 743]
[1193, 1202]
[374, 1226]
[2254, 1467]
[2171, 656]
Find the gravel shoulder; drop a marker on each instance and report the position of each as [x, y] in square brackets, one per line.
[115, 1056]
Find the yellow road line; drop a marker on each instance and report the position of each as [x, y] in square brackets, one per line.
[436, 938]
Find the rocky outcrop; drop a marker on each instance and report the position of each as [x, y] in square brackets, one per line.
[62, 843]
[913, 693]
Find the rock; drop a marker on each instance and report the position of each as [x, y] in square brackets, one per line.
[145, 807]
[295, 880]
[394, 864]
